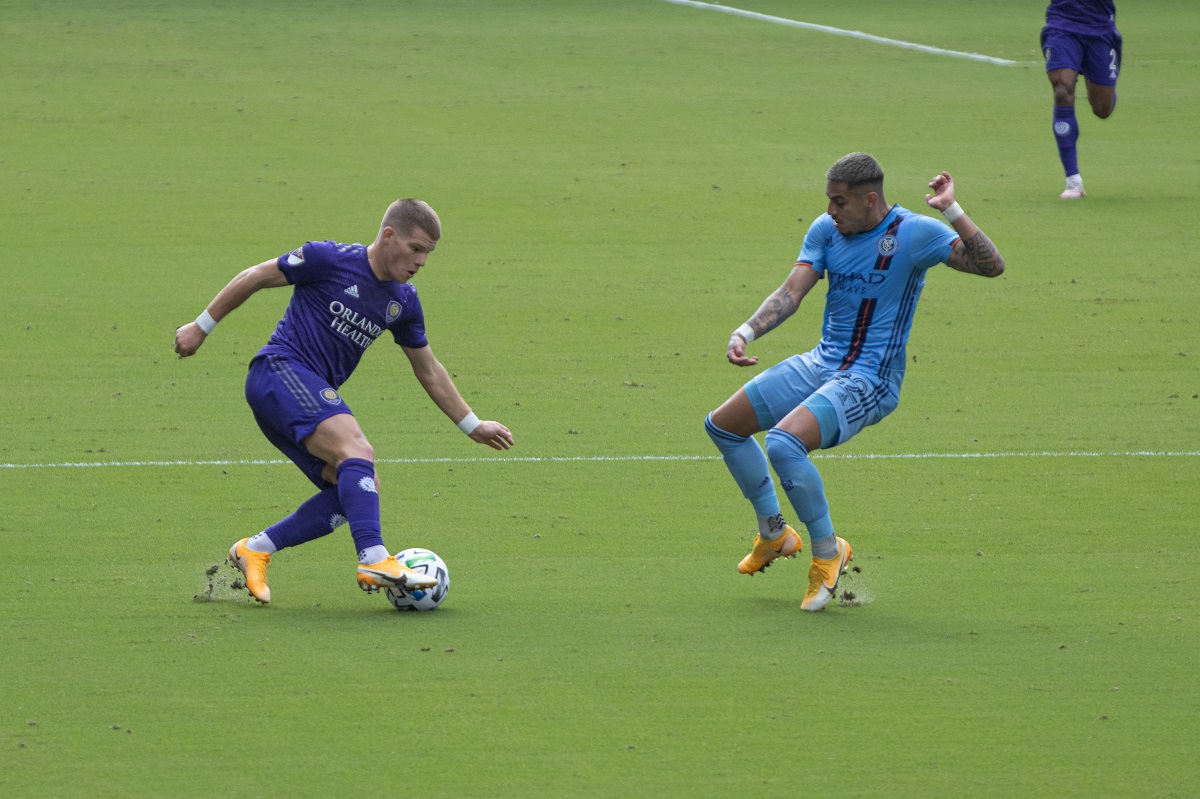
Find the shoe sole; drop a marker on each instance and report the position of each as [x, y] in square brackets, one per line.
[774, 558]
[372, 582]
[766, 565]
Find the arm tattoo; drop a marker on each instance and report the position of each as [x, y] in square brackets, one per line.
[773, 311]
[979, 257]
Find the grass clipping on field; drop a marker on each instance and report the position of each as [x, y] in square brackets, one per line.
[852, 595]
[219, 587]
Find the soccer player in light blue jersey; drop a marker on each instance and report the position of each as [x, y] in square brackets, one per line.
[875, 257]
[344, 297]
[1080, 36]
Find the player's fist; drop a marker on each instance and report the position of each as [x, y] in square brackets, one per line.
[188, 339]
[943, 192]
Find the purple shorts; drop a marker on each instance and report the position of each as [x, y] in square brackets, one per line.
[1097, 58]
[289, 401]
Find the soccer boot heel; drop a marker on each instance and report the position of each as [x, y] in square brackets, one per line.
[253, 566]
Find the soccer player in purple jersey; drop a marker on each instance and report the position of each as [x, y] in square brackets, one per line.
[875, 256]
[1080, 36]
[344, 297]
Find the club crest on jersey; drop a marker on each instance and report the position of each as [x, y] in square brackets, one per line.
[887, 245]
[331, 396]
[393, 311]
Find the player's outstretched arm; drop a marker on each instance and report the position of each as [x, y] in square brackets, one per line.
[776, 308]
[189, 337]
[436, 381]
[974, 253]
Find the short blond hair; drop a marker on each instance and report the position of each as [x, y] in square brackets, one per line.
[408, 213]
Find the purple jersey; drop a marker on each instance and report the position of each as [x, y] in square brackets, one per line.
[339, 308]
[1089, 17]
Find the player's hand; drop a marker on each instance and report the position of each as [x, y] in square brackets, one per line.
[736, 353]
[494, 434]
[943, 192]
[188, 339]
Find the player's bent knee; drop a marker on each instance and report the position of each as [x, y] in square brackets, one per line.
[725, 419]
[1064, 88]
[781, 447]
[360, 451]
[1102, 99]
[364, 454]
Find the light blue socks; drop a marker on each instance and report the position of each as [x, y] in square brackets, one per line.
[747, 463]
[802, 483]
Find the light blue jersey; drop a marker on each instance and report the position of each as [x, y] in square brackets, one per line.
[875, 280]
[848, 382]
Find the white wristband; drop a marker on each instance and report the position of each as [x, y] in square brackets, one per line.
[469, 423]
[205, 322]
[953, 212]
[746, 332]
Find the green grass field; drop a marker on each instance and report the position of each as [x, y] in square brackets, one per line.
[621, 183]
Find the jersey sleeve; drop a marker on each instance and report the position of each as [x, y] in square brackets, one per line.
[816, 240]
[409, 328]
[306, 264]
[932, 241]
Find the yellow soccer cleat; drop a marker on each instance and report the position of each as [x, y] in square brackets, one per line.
[785, 546]
[823, 576]
[254, 566]
[391, 573]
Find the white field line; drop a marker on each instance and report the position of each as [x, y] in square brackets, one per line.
[621, 459]
[924, 48]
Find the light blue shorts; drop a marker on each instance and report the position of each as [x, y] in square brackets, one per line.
[858, 399]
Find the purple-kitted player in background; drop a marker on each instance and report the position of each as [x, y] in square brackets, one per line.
[1080, 36]
[345, 296]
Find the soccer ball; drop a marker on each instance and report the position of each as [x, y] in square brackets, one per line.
[425, 562]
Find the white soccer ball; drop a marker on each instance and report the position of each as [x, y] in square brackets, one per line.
[425, 562]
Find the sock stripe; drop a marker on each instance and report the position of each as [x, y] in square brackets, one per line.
[717, 432]
[777, 432]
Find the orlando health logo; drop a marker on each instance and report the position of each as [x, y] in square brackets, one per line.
[353, 325]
